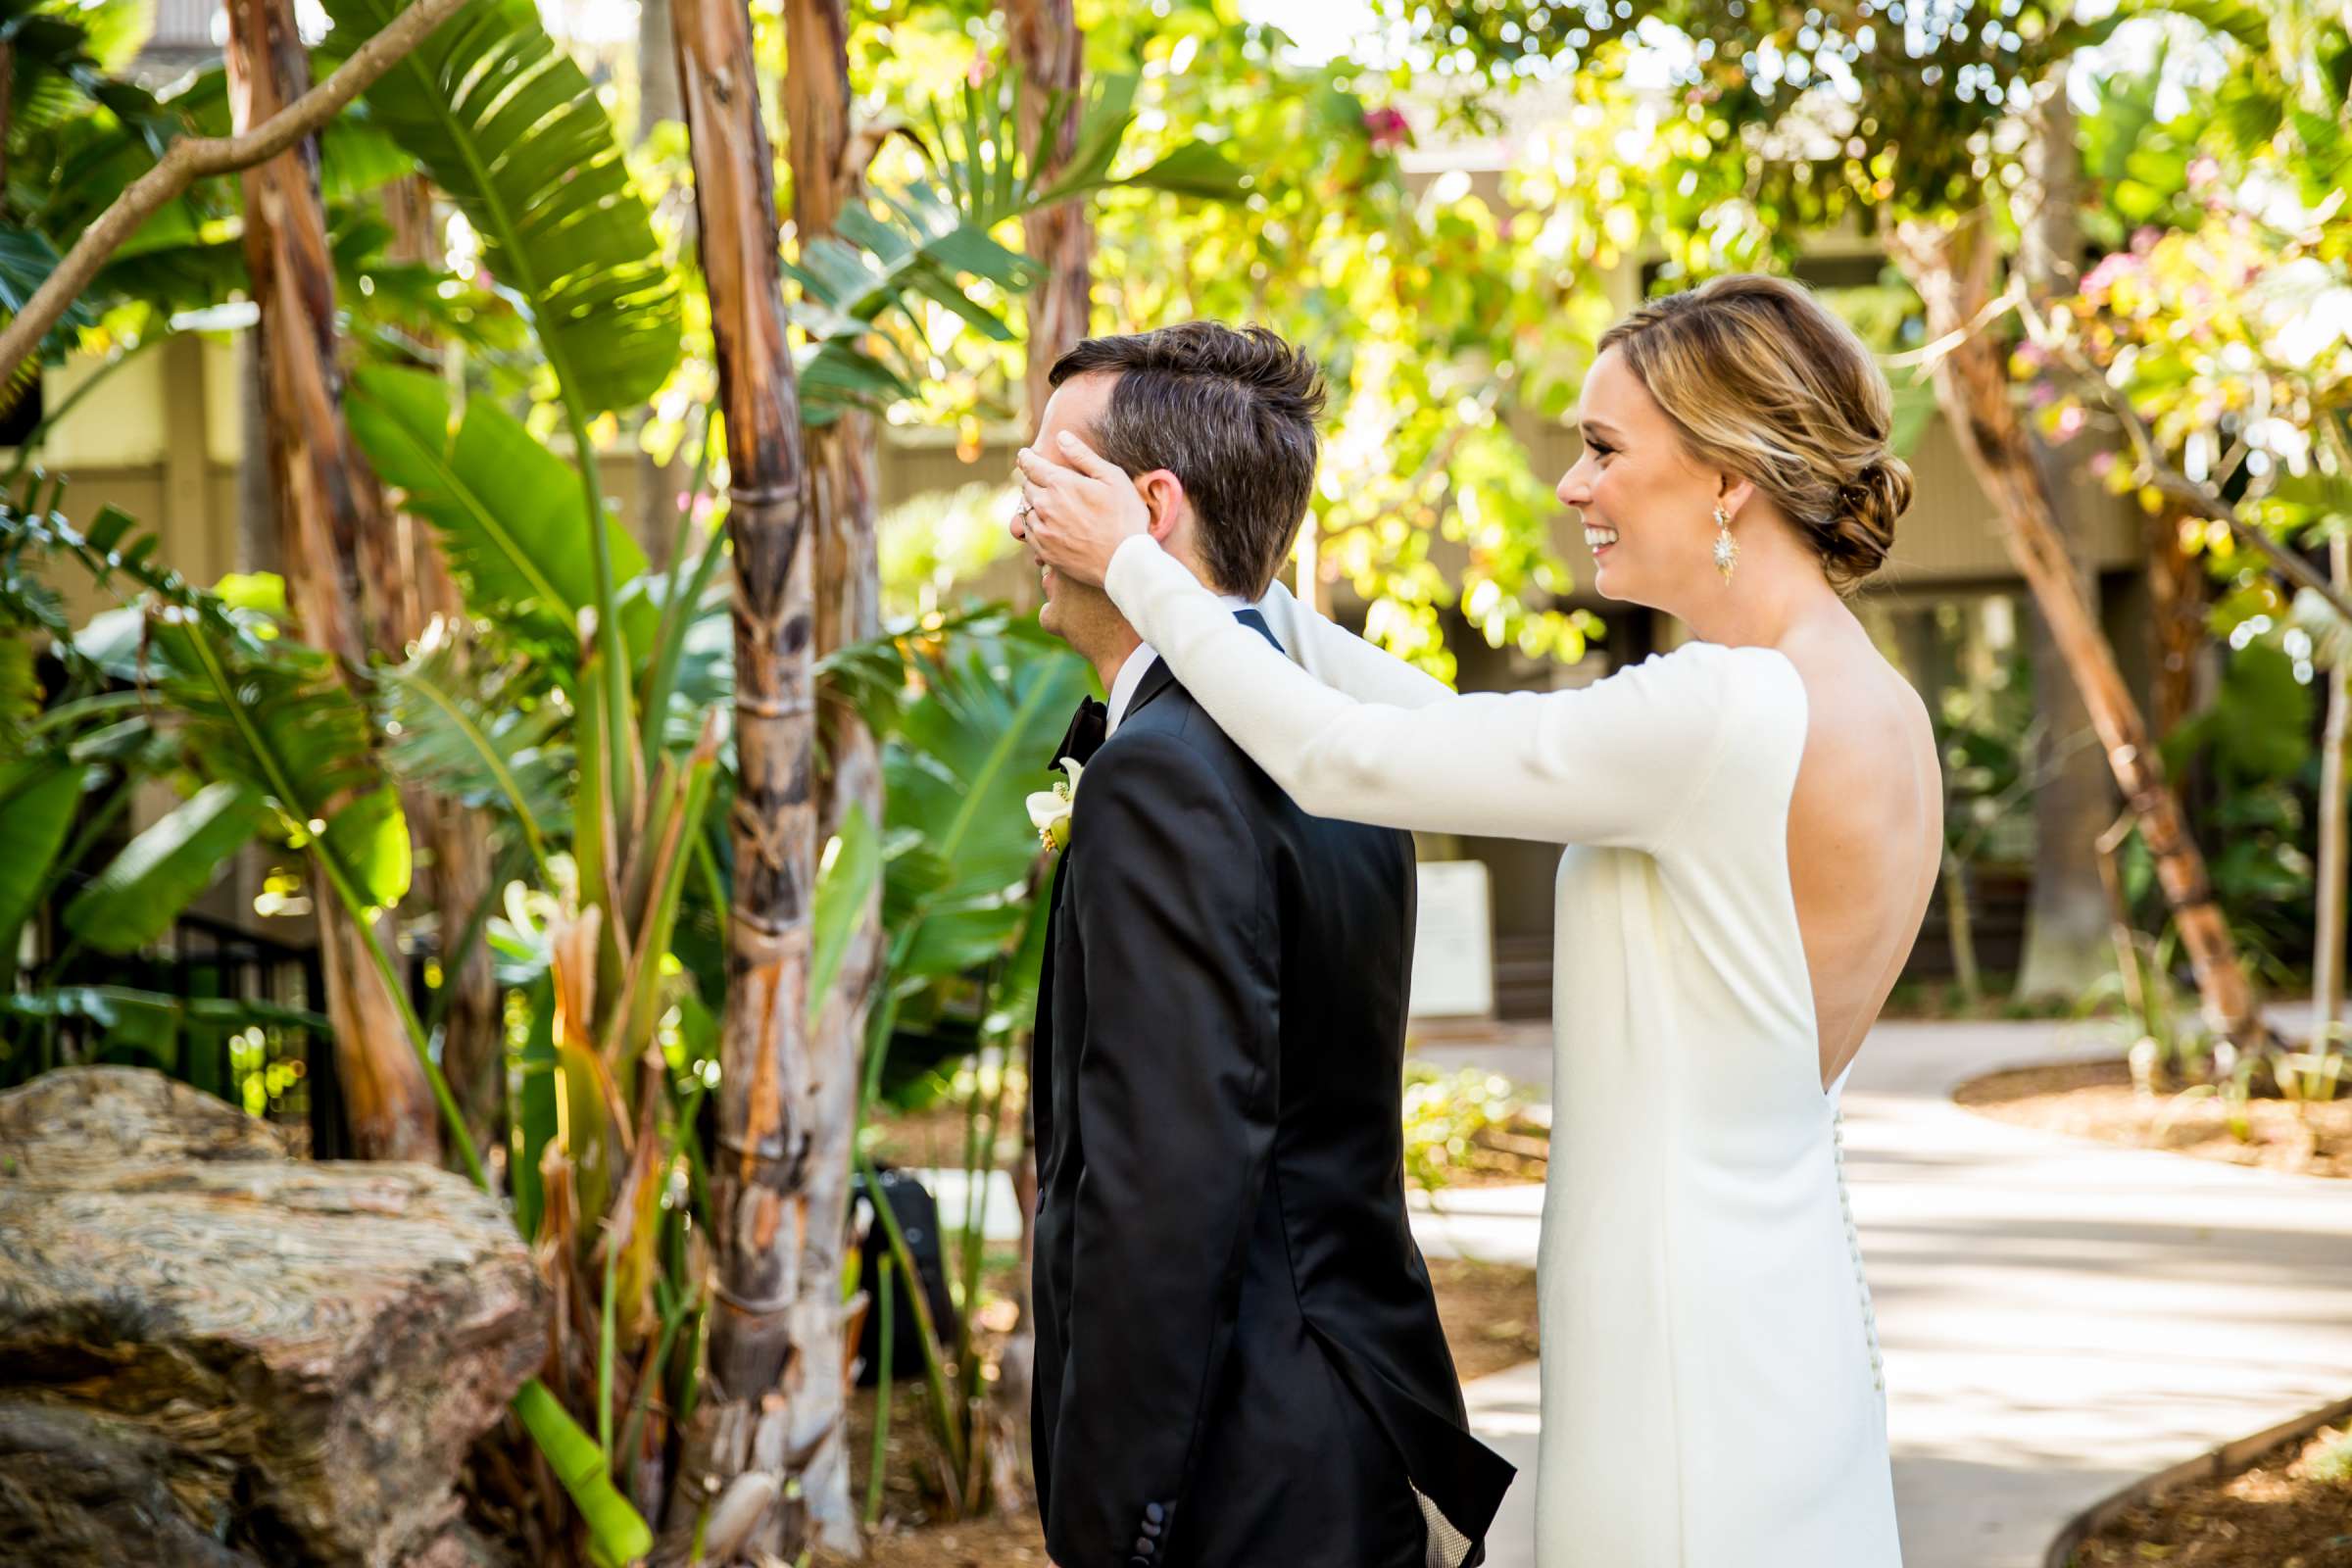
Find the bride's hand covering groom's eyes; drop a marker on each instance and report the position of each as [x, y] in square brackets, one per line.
[1079, 509]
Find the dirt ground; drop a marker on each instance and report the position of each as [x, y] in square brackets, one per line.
[1488, 1310]
[2097, 1100]
[2292, 1511]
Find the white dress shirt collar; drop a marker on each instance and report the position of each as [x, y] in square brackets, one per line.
[1139, 665]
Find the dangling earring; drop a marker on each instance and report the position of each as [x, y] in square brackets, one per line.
[1727, 549]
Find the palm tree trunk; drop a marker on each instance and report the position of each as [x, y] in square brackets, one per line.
[770, 1330]
[2177, 596]
[825, 177]
[1951, 267]
[2066, 942]
[1051, 53]
[326, 504]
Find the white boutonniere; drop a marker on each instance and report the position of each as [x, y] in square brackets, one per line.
[1050, 810]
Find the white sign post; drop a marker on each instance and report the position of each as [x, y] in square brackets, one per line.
[1453, 942]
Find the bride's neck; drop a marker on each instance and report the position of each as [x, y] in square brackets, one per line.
[1772, 589]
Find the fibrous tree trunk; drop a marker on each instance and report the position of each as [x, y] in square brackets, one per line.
[2177, 595]
[1051, 53]
[326, 504]
[1951, 264]
[825, 178]
[2066, 943]
[769, 1330]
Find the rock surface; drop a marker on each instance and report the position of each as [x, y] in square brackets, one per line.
[214, 1354]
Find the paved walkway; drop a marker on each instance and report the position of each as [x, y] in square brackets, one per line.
[2059, 1317]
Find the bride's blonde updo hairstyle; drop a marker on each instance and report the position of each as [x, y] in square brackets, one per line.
[1763, 382]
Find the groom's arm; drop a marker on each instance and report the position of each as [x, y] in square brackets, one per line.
[1177, 1096]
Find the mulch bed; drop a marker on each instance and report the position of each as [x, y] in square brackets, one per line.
[2293, 1509]
[1488, 1310]
[2097, 1100]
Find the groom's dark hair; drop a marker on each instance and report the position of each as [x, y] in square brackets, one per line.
[1231, 413]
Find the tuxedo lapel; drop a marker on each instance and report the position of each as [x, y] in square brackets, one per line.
[1158, 678]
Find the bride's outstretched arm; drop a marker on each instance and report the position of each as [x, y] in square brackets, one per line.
[1618, 762]
[1342, 660]
[1614, 763]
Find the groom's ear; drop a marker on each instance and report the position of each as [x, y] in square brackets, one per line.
[1164, 497]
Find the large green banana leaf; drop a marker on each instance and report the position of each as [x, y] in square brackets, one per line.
[958, 775]
[139, 894]
[511, 129]
[20, 691]
[38, 795]
[509, 511]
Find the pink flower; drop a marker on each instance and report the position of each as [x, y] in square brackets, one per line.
[2068, 424]
[1388, 129]
[2102, 464]
[2102, 277]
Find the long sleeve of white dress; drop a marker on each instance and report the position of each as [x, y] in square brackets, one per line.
[1342, 660]
[1616, 762]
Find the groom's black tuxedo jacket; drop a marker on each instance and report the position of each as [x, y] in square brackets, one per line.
[1238, 1359]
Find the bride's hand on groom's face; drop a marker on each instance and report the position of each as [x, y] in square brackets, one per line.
[1077, 510]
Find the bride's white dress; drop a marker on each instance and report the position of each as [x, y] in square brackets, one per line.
[1713, 1389]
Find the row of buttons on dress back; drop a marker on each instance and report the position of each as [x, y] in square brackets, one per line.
[1853, 1247]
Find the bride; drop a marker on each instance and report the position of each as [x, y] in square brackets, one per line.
[1754, 823]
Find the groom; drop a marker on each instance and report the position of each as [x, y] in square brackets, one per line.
[1238, 1359]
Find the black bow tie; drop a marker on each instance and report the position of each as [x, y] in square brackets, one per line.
[1087, 728]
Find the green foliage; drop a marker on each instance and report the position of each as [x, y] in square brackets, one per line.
[513, 130]
[252, 707]
[585, 1472]
[136, 898]
[38, 795]
[508, 512]
[452, 732]
[2258, 727]
[965, 756]
[1437, 320]
[920, 251]
[1467, 1121]
[846, 879]
[2333, 1460]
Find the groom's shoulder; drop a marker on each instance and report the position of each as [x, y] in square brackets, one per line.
[1175, 735]
[1185, 724]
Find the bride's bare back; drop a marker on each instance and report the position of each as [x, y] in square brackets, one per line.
[1864, 828]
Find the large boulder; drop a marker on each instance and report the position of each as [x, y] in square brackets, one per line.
[212, 1353]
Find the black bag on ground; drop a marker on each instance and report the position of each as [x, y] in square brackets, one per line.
[917, 1214]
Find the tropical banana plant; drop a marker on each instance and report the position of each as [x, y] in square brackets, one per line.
[932, 239]
[269, 722]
